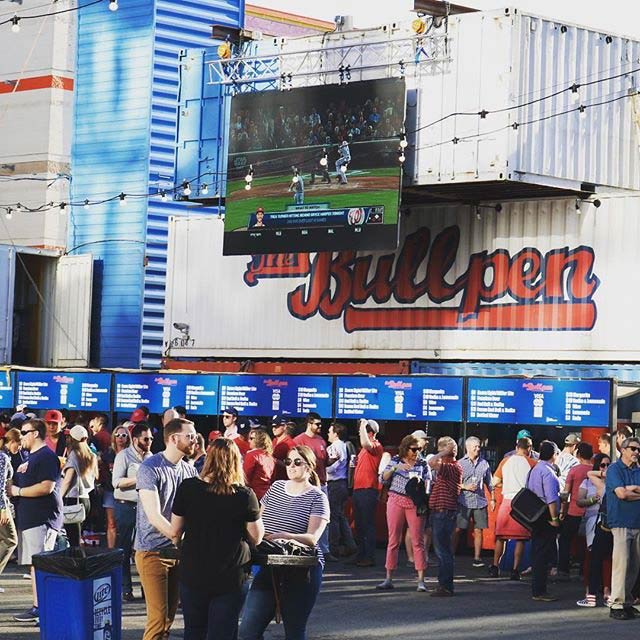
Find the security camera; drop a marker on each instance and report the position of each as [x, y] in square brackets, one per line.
[182, 327]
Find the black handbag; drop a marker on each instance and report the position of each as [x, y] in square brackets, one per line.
[528, 509]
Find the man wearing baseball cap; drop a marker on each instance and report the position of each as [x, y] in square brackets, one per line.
[282, 444]
[230, 424]
[567, 458]
[55, 439]
[523, 433]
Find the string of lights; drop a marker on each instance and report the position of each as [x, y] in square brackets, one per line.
[185, 187]
[16, 19]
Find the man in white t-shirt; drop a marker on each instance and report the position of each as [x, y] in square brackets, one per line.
[567, 458]
[511, 476]
[340, 537]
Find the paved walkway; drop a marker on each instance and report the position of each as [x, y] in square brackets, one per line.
[350, 607]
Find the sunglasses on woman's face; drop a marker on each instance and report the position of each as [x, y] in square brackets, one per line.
[298, 462]
[414, 449]
[122, 435]
[604, 465]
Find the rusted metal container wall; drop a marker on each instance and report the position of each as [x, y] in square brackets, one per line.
[539, 280]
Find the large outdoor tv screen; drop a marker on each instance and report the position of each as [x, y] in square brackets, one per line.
[315, 169]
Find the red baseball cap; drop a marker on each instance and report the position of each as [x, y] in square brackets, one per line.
[214, 435]
[138, 416]
[53, 415]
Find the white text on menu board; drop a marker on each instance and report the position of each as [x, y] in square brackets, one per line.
[236, 396]
[88, 393]
[488, 403]
[32, 392]
[576, 405]
[128, 396]
[307, 397]
[193, 393]
[433, 399]
[356, 400]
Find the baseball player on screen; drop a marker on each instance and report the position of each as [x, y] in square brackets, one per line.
[297, 186]
[343, 161]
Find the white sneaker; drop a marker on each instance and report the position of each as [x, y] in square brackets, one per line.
[26, 576]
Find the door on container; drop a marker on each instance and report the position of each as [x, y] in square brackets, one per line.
[7, 277]
[71, 328]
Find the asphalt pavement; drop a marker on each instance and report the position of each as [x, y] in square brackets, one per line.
[350, 607]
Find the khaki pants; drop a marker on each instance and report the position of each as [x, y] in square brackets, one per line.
[8, 542]
[626, 564]
[159, 577]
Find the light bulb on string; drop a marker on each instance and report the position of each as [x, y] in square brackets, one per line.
[62, 206]
[204, 189]
[575, 92]
[186, 188]
[249, 177]
[113, 5]
[247, 187]
[123, 199]
[9, 214]
[86, 204]
[582, 110]
[403, 142]
[15, 24]
[401, 156]
[323, 160]
[163, 195]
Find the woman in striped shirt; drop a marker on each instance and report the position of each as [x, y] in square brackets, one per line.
[401, 509]
[293, 509]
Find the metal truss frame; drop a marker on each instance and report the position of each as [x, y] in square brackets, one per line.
[332, 62]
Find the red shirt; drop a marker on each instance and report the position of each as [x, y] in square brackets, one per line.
[102, 440]
[319, 447]
[365, 475]
[446, 488]
[280, 452]
[577, 475]
[241, 443]
[258, 469]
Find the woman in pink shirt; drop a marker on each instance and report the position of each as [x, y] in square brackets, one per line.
[259, 463]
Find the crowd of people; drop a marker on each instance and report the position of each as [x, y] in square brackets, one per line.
[192, 511]
[374, 119]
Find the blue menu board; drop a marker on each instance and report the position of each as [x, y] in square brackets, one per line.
[6, 389]
[576, 403]
[63, 390]
[197, 393]
[437, 399]
[294, 396]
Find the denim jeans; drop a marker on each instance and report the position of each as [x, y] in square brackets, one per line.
[298, 590]
[443, 524]
[125, 513]
[365, 503]
[339, 529]
[210, 617]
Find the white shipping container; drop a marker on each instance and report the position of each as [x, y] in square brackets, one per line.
[518, 68]
[539, 280]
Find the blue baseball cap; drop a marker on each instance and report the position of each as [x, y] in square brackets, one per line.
[523, 433]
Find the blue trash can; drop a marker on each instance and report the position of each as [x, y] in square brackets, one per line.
[80, 593]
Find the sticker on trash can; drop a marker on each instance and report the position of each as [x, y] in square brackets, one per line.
[102, 609]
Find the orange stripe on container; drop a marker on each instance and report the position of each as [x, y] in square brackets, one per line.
[578, 316]
[37, 82]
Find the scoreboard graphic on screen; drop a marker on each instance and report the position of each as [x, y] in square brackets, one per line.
[315, 168]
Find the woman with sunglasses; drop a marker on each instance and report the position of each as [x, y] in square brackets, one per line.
[119, 441]
[599, 539]
[293, 509]
[259, 464]
[401, 509]
[218, 514]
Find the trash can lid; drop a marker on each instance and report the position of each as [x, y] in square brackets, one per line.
[79, 563]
